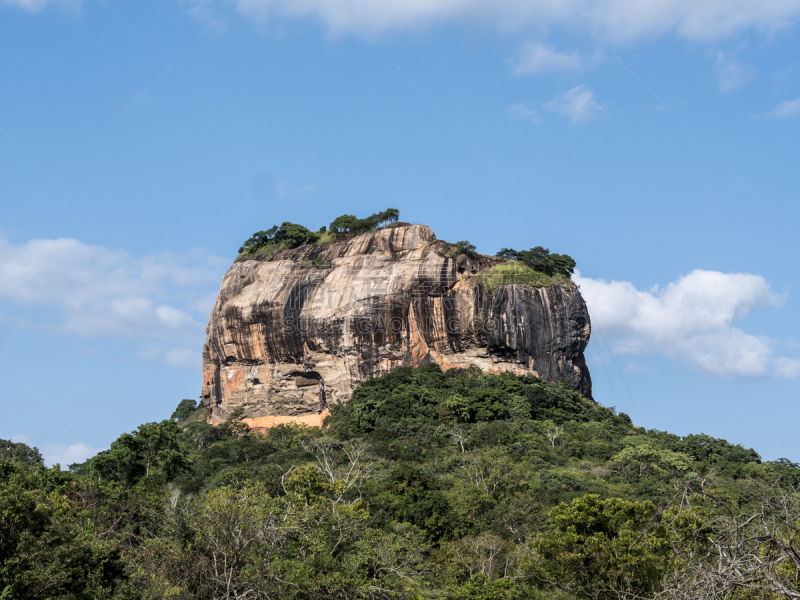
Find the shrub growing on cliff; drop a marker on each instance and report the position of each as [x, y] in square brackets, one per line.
[540, 259]
[288, 235]
[350, 224]
[516, 273]
[460, 247]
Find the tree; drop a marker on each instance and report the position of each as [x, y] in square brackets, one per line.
[734, 553]
[489, 470]
[19, 453]
[47, 550]
[465, 247]
[342, 224]
[350, 224]
[540, 259]
[642, 457]
[258, 240]
[153, 447]
[288, 234]
[294, 235]
[553, 432]
[480, 587]
[412, 496]
[185, 408]
[563, 263]
[597, 548]
[246, 543]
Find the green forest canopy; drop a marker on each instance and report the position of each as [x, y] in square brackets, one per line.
[427, 484]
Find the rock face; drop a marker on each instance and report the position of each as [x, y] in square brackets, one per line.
[361, 307]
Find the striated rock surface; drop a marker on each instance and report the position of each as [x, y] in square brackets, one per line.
[361, 307]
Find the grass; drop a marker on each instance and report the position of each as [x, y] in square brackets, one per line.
[514, 272]
[324, 238]
[449, 249]
[200, 415]
[271, 249]
[268, 249]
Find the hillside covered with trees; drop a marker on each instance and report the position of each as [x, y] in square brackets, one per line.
[426, 484]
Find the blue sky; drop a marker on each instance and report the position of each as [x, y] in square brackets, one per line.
[655, 142]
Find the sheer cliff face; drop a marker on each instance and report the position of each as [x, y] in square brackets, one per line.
[359, 308]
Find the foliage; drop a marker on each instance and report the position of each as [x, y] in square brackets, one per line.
[350, 224]
[594, 547]
[289, 235]
[152, 448]
[428, 395]
[258, 240]
[517, 273]
[643, 457]
[540, 259]
[427, 484]
[184, 409]
[460, 247]
[50, 545]
[19, 453]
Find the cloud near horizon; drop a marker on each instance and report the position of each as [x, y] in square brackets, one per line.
[693, 318]
[93, 291]
[61, 454]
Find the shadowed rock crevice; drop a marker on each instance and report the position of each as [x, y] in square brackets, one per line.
[363, 306]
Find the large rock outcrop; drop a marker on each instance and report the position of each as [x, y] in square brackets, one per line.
[361, 307]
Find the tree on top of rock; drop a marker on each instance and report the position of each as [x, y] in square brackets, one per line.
[350, 224]
[540, 259]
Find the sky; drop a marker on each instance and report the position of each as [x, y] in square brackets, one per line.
[655, 142]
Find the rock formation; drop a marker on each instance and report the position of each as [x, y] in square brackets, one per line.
[360, 307]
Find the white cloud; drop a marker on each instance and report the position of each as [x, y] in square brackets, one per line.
[693, 318]
[578, 104]
[204, 12]
[97, 292]
[731, 74]
[789, 368]
[522, 112]
[61, 454]
[614, 20]
[789, 108]
[535, 57]
[37, 5]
